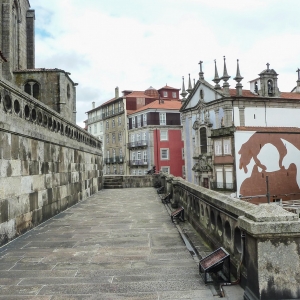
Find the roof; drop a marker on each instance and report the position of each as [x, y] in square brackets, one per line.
[164, 105]
[39, 70]
[268, 129]
[166, 87]
[283, 95]
[138, 94]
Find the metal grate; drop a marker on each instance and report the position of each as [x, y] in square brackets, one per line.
[216, 262]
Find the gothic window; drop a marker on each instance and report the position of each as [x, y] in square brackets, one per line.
[32, 88]
[203, 140]
[68, 91]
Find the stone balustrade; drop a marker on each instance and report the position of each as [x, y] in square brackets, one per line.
[267, 235]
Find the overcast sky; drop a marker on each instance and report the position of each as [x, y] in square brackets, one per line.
[135, 44]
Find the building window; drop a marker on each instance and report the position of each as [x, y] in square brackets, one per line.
[107, 154]
[107, 138]
[203, 140]
[119, 121]
[145, 172]
[139, 124]
[164, 153]
[113, 109]
[107, 170]
[219, 178]
[139, 155]
[121, 169]
[144, 136]
[165, 93]
[134, 172]
[145, 156]
[228, 178]
[32, 88]
[107, 125]
[113, 138]
[113, 123]
[165, 170]
[183, 171]
[140, 172]
[145, 119]
[133, 122]
[90, 129]
[95, 128]
[133, 157]
[120, 136]
[174, 95]
[182, 152]
[121, 153]
[226, 146]
[119, 106]
[132, 138]
[218, 147]
[163, 135]
[114, 155]
[162, 119]
[138, 137]
[101, 126]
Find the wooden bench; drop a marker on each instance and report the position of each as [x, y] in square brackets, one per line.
[178, 214]
[160, 190]
[165, 198]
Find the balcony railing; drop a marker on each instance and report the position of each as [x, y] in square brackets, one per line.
[140, 162]
[94, 119]
[141, 143]
[222, 186]
[112, 112]
[114, 160]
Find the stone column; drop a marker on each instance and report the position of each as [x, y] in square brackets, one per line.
[218, 125]
[227, 116]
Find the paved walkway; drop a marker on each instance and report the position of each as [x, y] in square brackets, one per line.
[118, 244]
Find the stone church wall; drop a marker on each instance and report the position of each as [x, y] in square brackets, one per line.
[47, 163]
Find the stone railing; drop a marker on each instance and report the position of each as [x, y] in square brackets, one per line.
[15, 104]
[266, 234]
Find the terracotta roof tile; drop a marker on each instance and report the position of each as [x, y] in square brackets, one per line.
[283, 95]
[138, 94]
[168, 88]
[268, 129]
[172, 105]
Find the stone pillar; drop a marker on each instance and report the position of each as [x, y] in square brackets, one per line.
[272, 253]
[218, 125]
[175, 195]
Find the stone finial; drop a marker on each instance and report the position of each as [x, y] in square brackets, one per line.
[189, 89]
[183, 93]
[194, 82]
[298, 71]
[238, 78]
[268, 66]
[201, 74]
[298, 82]
[225, 78]
[216, 79]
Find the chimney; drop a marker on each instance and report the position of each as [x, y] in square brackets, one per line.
[117, 92]
[93, 105]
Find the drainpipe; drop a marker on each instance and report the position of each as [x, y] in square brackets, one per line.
[238, 269]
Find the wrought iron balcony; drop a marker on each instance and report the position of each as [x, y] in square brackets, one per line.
[139, 162]
[142, 143]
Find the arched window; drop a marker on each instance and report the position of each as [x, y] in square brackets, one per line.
[32, 88]
[203, 140]
[270, 87]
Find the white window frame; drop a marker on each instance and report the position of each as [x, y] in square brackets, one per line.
[133, 156]
[144, 119]
[120, 136]
[113, 138]
[121, 152]
[226, 147]
[132, 138]
[139, 155]
[145, 156]
[162, 119]
[120, 121]
[165, 169]
[139, 172]
[183, 172]
[165, 94]
[113, 123]
[114, 154]
[107, 124]
[138, 137]
[139, 124]
[165, 151]
[218, 147]
[174, 96]
[107, 154]
[144, 136]
[107, 139]
[164, 135]
[133, 122]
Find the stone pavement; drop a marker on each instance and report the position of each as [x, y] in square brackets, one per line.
[117, 244]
